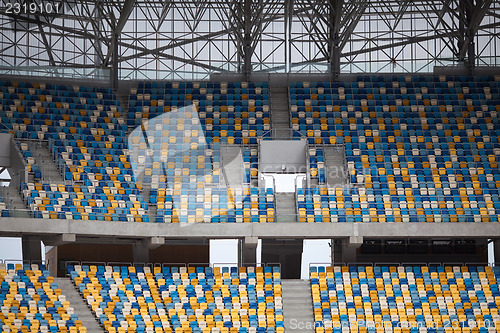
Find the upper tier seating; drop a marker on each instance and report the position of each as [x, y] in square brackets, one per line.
[32, 302]
[419, 148]
[178, 150]
[234, 112]
[193, 204]
[406, 299]
[180, 299]
[87, 137]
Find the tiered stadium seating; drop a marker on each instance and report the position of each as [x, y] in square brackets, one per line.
[31, 302]
[87, 137]
[406, 299]
[418, 148]
[194, 204]
[178, 152]
[173, 299]
[81, 202]
[234, 112]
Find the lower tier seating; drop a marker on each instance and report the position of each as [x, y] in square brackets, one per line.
[180, 299]
[32, 302]
[406, 299]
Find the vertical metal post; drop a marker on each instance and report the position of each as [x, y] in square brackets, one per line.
[461, 27]
[471, 55]
[335, 12]
[114, 71]
[247, 39]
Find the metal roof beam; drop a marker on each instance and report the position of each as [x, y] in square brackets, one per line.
[124, 15]
[478, 14]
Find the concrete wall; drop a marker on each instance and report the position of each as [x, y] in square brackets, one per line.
[286, 252]
[5, 149]
[17, 168]
[180, 254]
[129, 231]
[51, 261]
[276, 153]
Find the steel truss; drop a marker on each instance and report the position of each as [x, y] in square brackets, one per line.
[139, 39]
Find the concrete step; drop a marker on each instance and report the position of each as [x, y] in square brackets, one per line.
[45, 161]
[14, 202]
[298, 314]
[285, 203]
[336, 173]
[146, 193]
[280, 113]
[78, 303]
[281, 133]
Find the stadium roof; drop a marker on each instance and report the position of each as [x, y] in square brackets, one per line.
[146, 39]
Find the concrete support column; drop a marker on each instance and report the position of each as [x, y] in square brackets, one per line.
[496, 250]
[337, 251]
[248, 250]
[345, 251]
[141, 248]
[140, 252]
[32, 248]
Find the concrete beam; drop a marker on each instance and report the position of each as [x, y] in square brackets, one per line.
[355, 241]
[61, 239]
[140, 251]
[10, 226]
[154, 242]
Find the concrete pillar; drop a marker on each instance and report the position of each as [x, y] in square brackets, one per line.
[32, 248]
[140, 252]
[248, 250]
[337, 251]
[496, 250]
[345, 251]
[288, 252]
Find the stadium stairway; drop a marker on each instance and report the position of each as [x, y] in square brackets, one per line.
[50, 171]
[285, 207]
[280, 114]
[336, 173]
[14, 202]
[124, 98]
[298, 313]
[77, 302]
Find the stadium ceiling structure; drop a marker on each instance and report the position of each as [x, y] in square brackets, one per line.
[192, 39]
